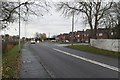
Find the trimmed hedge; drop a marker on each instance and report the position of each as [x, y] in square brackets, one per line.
[7, 46]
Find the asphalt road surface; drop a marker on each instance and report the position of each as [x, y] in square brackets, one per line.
[61, 62]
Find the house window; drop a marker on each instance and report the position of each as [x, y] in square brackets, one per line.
[100, 34]
[111, 33]
[84, 34]
[87, 34]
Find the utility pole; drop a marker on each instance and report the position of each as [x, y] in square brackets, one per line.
[26, 21]
[25, 30]
[19, 27]
[49, 34]
[72, 28]
[26, 16]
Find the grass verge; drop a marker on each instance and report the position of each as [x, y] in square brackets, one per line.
[64, 42]
[90, 49]
[10, 63]
[67, 43]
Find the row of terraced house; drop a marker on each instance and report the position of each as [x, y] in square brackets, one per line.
[84, 36]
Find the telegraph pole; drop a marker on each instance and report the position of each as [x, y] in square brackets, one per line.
[72, 28]
[49, 34]
[19, 27]
[25, 30]
[26, 16]
[26, 21]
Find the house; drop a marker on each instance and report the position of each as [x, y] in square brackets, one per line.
[63, 37]
[87, 35]
[79, 36]
[103, 33]
[74, 36]
[84, 36]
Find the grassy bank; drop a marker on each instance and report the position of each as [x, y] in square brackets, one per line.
[94, 50]
[10, 63]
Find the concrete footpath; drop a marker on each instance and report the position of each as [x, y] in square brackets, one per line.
[30, 67]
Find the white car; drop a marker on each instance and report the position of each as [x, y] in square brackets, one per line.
[53, 40]
[66, 41]
[32, 41]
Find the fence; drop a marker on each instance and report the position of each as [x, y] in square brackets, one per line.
[107, 44]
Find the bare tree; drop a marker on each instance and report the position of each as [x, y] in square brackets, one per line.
[117, 18]
[9, 10]
[93, 12]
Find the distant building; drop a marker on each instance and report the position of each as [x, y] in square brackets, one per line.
[80, 36]
[84, 36]
[64, 37]
[103, 33]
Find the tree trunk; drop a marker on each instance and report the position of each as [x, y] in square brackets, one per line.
[92, 34]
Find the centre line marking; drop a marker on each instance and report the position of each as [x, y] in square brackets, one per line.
[89, 60]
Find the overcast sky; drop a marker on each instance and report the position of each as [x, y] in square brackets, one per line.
[52, 23]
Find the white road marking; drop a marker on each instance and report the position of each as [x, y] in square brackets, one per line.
[89, 60]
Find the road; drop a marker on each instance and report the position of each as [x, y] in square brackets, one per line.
[61, 62]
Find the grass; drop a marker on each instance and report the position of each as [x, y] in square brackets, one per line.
[67, 43]
[64, 42]
[90, 49]
[10, 63]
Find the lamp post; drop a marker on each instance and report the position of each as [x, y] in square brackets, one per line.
[72, 28]
[19, 27]
[25, 26]
[26, 21]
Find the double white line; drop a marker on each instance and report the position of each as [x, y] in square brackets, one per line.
[89, 60]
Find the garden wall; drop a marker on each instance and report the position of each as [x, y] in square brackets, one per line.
[107, 44]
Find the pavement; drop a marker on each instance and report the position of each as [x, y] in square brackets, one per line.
[30, 66]
[60, 62]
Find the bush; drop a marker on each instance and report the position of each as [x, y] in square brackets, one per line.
[7, 46]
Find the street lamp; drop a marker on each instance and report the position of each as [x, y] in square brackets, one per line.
[25, 25]
[19, 26]
[72, 27]
[26, 19]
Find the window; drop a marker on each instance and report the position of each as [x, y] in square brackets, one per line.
[84, 34]
[111, 33]
[100, 34]
[87, 34]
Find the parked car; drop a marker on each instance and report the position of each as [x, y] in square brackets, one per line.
[32, 41]
[66, 41]
[38, 41]
[53, 40]
[86, 41]
[83, 41]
